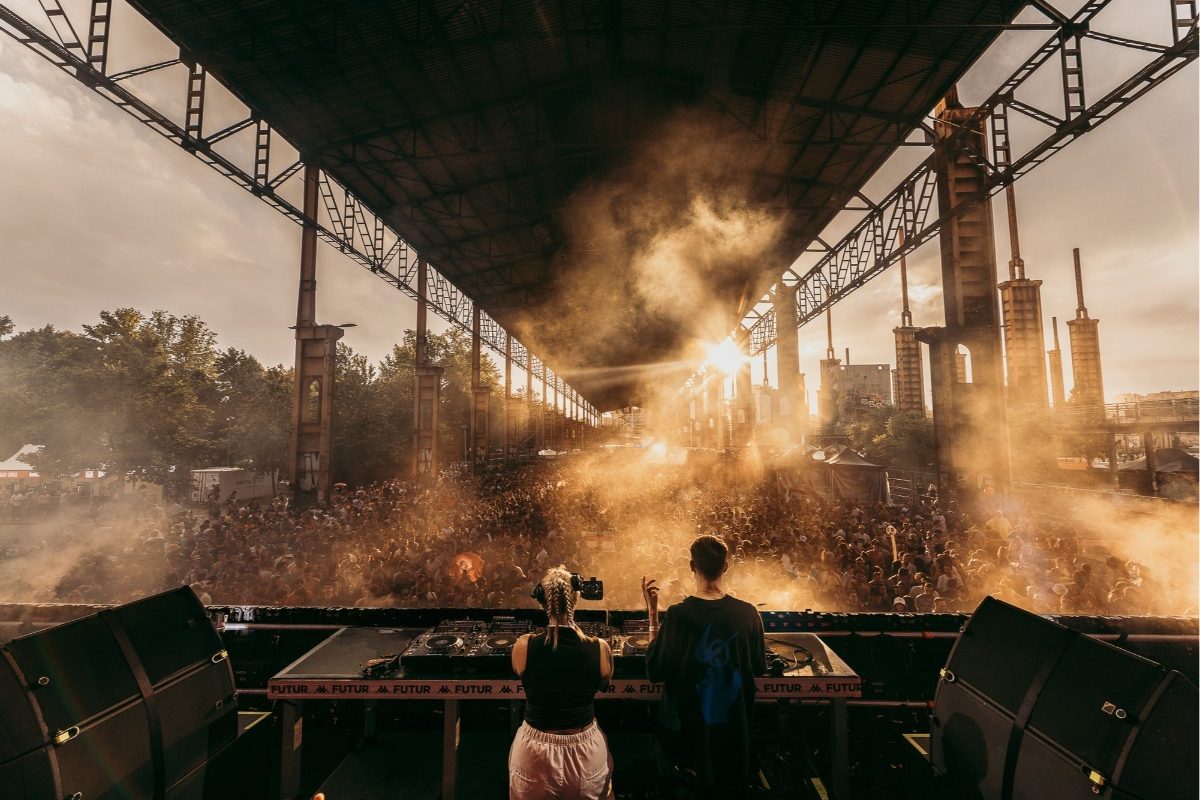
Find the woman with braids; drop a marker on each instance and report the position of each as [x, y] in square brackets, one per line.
[559, 751]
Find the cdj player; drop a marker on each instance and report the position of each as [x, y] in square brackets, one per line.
[475, 647]
[629, 649]
[503, 634]
[465, 646]
[448, 646]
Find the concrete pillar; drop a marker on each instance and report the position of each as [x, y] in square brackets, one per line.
[694, 414]
[555, 417]
[1058, 389]
[568, 425]
[312, 413]
[542, 438]
[742, 411]
[1151, 461]
[908, 379]
[481, 396]
[580, 420]
[1114, 473]
[1088, 389]
[828, 392]
[712, 409]
[528, 434]
[311, 450]
[510, 422]
[970, 422]
[793, 404]
[427, 396]
[1024, 339]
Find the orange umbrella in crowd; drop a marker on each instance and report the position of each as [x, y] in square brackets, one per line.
[467, 565]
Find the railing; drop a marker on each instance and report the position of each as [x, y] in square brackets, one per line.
[1037, 495]
[910, 488]
[1183, 410]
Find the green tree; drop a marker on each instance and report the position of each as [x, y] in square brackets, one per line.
[396, 380]
[452, 352]
[895, 439]
[48, 381]
[6, 325]
[151, 394]
[134, 393]
[364, 442]
[253, 415]
[158, 390]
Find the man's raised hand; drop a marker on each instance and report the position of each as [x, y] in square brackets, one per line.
[650, 595]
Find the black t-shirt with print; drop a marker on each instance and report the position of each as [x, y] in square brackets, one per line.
[707, 654]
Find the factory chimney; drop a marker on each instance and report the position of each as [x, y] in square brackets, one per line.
[908, 379]
[1058, 391]
[827, 394]
[1024, 339]
[1088, 389]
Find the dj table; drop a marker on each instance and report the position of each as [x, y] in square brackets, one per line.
[333, 671]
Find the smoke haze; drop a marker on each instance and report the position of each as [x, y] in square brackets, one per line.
[666, 253]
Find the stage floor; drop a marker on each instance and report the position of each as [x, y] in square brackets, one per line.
[406, 766]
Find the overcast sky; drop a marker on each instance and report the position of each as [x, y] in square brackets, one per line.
[98, 212]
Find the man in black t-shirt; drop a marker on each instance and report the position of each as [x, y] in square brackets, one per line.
[707, 654]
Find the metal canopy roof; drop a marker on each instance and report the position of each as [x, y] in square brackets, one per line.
[534, 151]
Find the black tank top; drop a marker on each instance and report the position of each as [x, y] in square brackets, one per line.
[561, 684]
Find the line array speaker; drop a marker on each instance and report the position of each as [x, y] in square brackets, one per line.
[121, 704]
[1027, 709]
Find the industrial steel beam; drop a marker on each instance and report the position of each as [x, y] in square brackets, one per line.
[873, 244]
[348, 224]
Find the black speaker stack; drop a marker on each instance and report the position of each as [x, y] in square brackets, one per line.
[127, 703]
[1027, 709]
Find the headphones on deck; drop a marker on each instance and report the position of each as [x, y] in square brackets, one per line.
[591, 589]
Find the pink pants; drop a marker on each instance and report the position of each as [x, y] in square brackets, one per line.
[549, 766]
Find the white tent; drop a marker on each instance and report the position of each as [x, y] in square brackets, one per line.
[15, 462]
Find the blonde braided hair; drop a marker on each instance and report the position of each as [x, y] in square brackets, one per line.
[560, 601]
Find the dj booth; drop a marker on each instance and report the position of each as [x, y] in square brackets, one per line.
[473, 667]
[146, 700]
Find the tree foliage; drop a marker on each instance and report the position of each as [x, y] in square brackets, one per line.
[254, 413]
[151, 394]
[373, 407]
[895, 439]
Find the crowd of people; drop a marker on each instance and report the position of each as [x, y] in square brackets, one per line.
[482, 541]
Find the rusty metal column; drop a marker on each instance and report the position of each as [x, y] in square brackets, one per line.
[480, 398]
[1058, 388]
[311, 477]
[793, 407]
[555, 421]
[581, 419]
[428, 391]
[1114, 474]
[1088, 389]
[568, 418]
[568, 434]
[541, 439]
[510, 432]
[530, 432]
[1151, 461]
[1024, 340]
[693, 416]
[972, 432]
[743, 393]
[710, 434]
[829, 392]
[908, 382]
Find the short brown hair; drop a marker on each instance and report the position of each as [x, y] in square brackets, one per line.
[710, 555]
